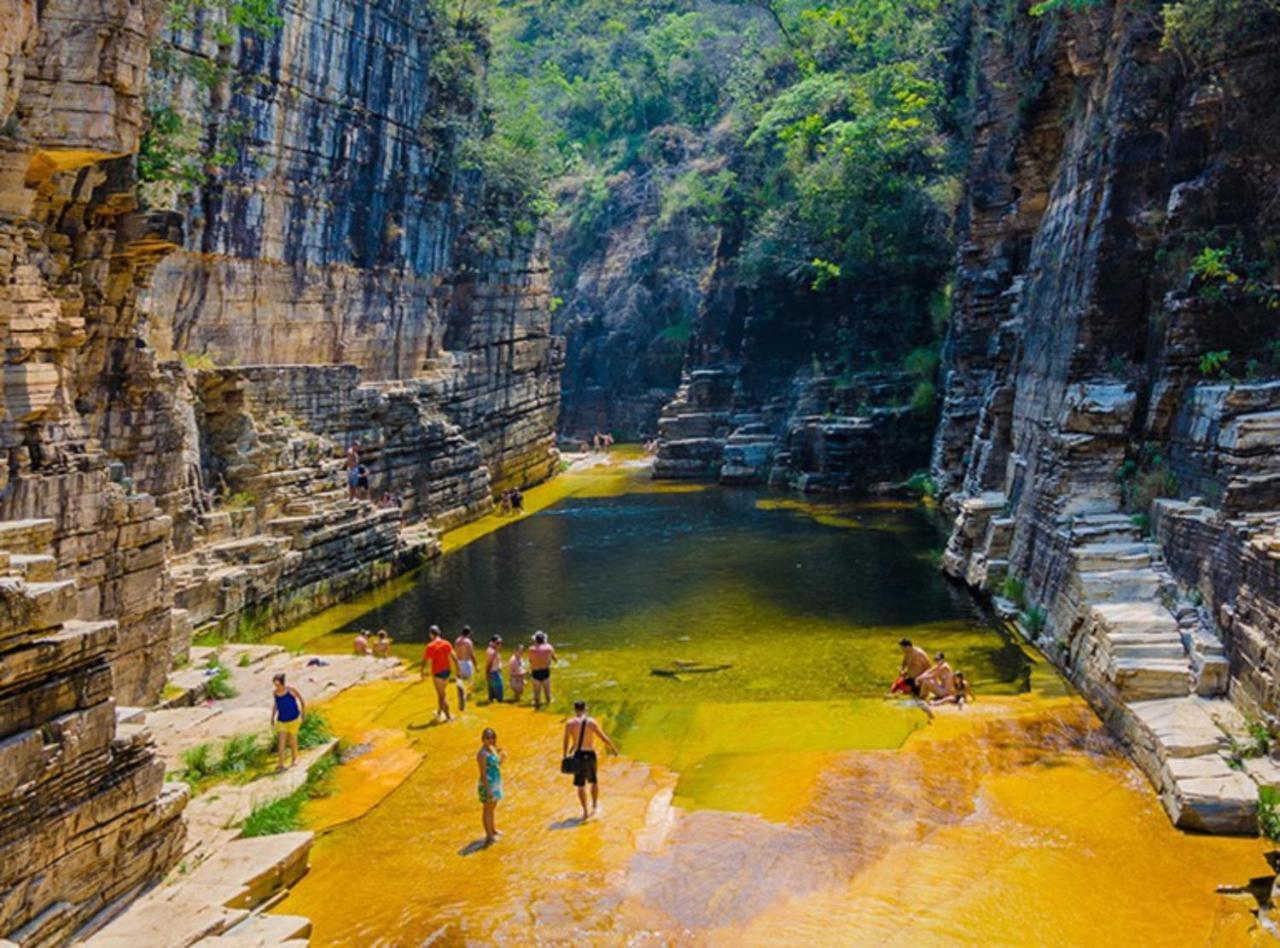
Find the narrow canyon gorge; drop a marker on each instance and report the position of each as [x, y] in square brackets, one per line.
[252, 252]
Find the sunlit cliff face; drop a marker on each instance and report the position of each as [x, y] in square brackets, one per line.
[781, 800]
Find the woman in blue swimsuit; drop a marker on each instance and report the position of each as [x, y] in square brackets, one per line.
[489, 759]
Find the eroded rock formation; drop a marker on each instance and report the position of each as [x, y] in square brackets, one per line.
[187, 363]
[1082, 379]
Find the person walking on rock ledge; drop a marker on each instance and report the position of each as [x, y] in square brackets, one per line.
[465, 651]
[439, 657]
[579, 756]
[287, 711]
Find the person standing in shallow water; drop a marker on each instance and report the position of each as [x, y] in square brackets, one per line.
[465, 650]
[541, 657]
[516, 672]
[580, 733]
[287, 711]
[489, 788]
[493, 668]
[439, 657]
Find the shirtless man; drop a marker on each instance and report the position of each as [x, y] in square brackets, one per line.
[465, 649]
[937, 682]
[580, 733]
[915, 662]
[541, 656]
[439, 657]
[493, 668]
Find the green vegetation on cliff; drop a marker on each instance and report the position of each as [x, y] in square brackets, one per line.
[816, 137]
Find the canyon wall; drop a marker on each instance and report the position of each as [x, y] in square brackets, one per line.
[1109, 439]
[198, 329]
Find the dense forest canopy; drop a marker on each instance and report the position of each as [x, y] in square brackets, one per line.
[829, 156]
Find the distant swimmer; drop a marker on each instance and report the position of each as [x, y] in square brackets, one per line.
[580, 733]
[541, 657]
[439, 657]
[489, 787]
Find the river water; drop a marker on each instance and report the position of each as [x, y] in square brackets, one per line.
[780, 799]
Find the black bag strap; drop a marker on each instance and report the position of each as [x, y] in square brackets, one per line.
[581, 734]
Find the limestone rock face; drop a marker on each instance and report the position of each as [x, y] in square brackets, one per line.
[344, 284]
[1082, 371]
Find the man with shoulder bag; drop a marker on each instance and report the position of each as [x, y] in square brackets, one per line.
[579, 757]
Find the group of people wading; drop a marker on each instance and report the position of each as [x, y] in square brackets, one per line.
[442, 660]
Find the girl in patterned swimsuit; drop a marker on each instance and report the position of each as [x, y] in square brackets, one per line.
[489, 788]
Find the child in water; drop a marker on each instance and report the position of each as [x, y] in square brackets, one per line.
[489, 788]
[516, 671]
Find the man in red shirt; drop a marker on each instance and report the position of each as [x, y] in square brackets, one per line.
[440, 658]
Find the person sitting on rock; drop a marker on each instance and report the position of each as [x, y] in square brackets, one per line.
[960, 692]
[287, 711]
[517, 501]
[915, 662]
[937, 682]
[361, 644]
[382, 646]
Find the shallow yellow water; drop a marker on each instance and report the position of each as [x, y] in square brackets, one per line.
[1009, 823]
[775, 803]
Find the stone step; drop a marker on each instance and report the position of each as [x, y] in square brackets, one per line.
[26, 536]
[34, 568]
[1135, 616]
[247, 872]
[1183, 727]
[1205, 795]
[1140, 679]
[1096, 557]
[262, 931]
[1119, 584]
[1155, 648]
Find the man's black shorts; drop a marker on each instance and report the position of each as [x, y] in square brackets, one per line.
[586, 768]
[913, 685]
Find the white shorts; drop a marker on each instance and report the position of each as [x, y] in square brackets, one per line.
[466, 668]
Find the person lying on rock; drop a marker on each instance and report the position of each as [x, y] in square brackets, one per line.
[287, 711]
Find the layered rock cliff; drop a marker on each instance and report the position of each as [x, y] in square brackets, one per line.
[306, 266]
[1108, 442]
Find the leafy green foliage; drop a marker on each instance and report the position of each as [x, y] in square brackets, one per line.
[1034, 621]
[922, 483]
[814, 136]
[1269, 813]
[1065, 6]
[239, 756]
[314, 730]
[1015, 590]
[1214, 363]
[218, 685]
[285, 815]
[1205, 30]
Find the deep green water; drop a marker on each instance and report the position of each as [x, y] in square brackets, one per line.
[623, 584]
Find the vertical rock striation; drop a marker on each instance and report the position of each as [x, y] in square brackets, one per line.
[1080, 375]
[333, 277]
